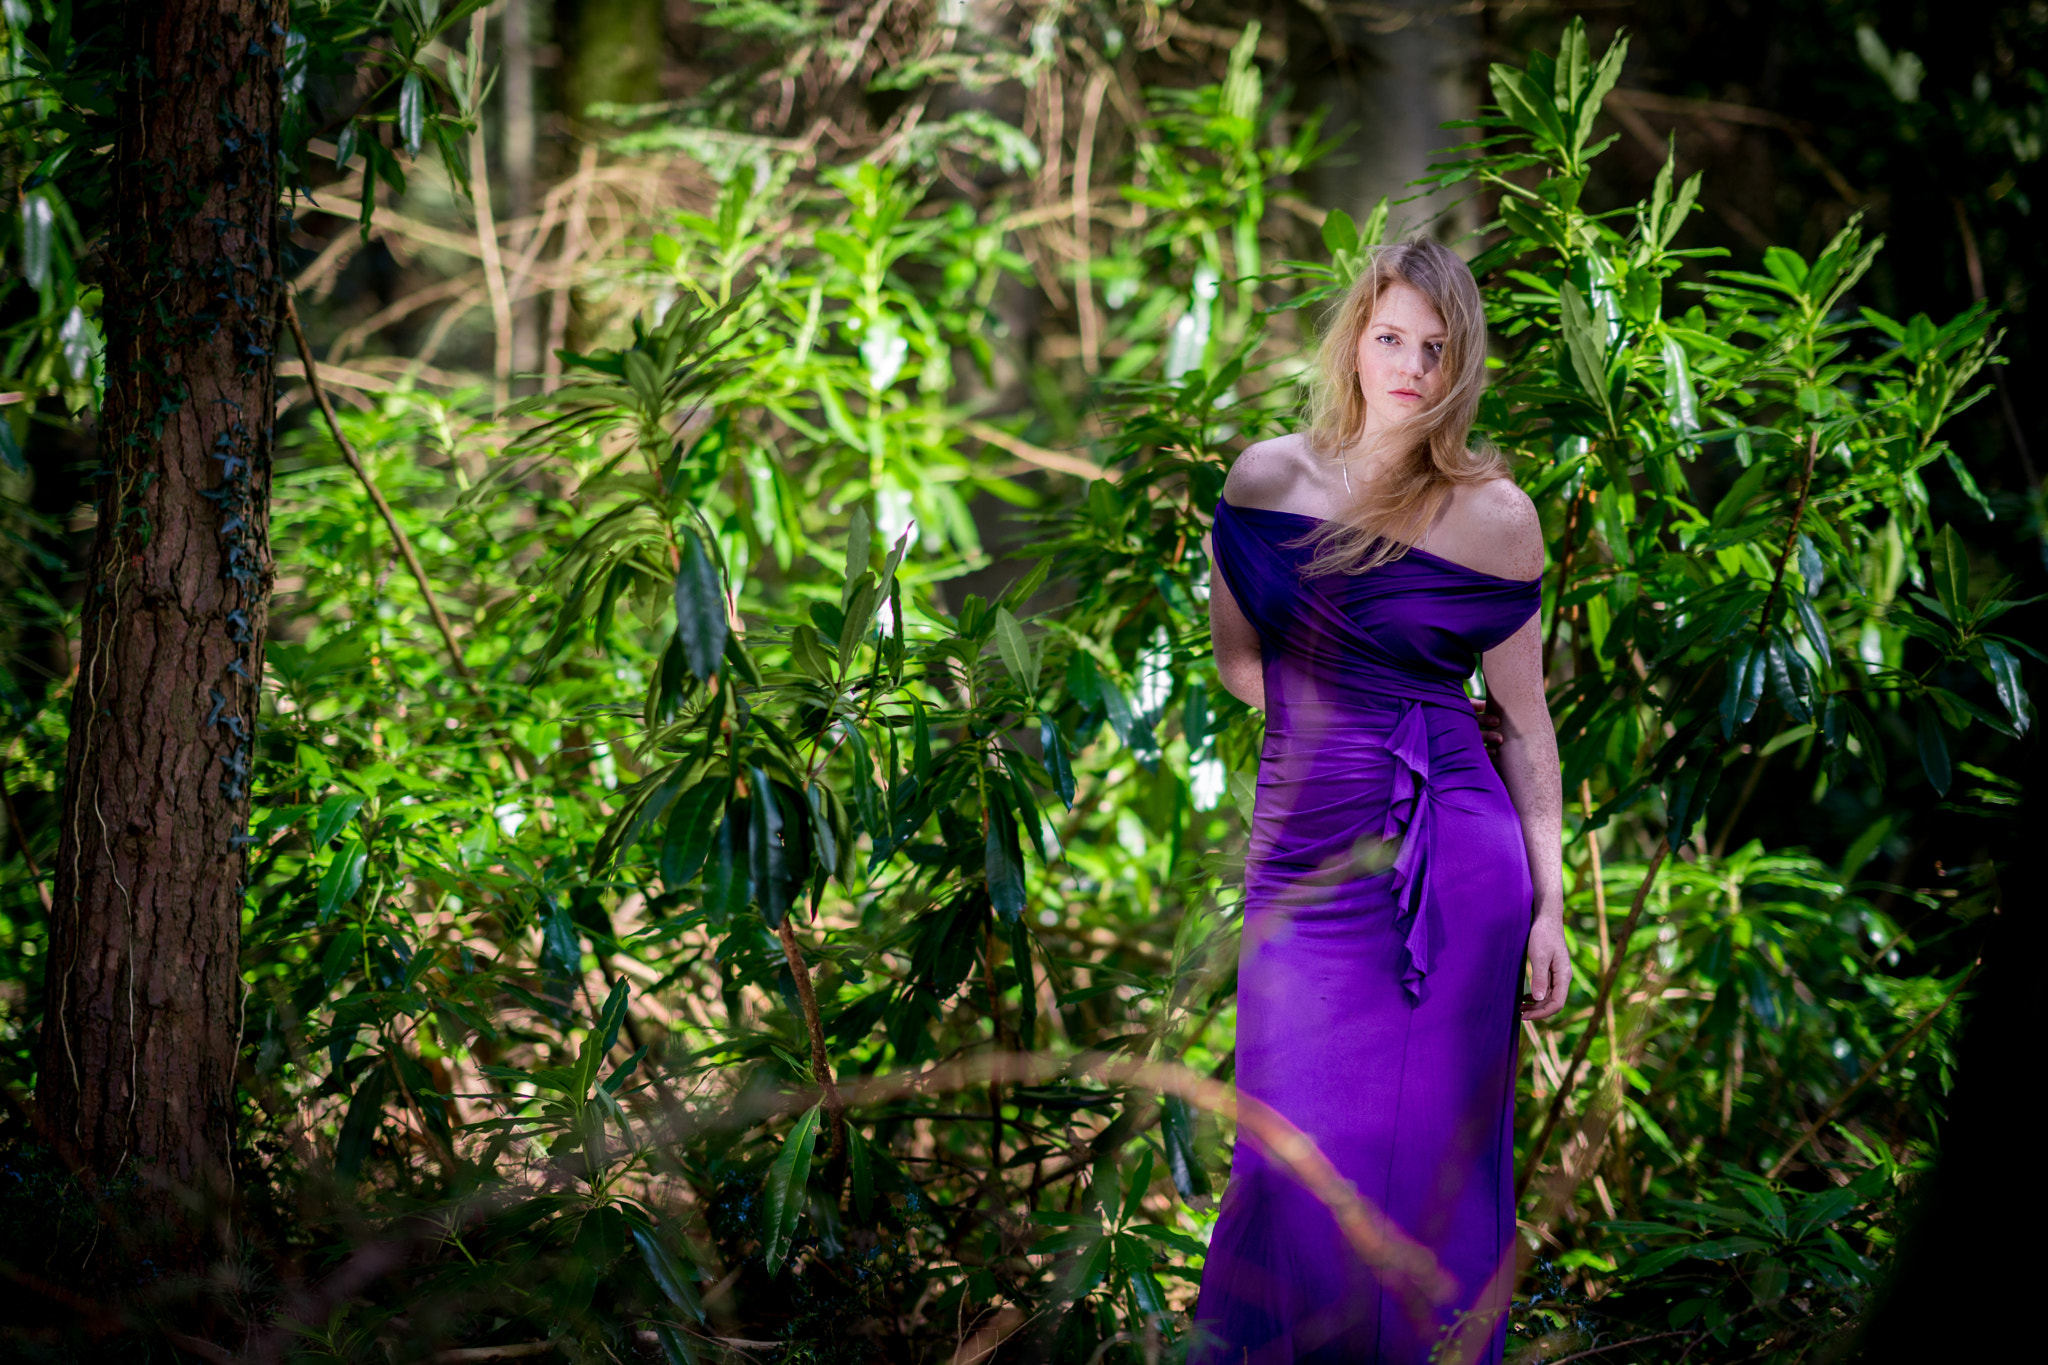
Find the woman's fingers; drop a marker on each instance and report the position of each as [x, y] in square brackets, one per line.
[1550, 978]
[1489, 724]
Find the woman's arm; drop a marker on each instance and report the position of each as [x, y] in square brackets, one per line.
[1236, 640]
[1528, 768]
[1528, 750]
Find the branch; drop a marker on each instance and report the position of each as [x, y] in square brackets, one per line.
[1791, 539]
[348, 453]
[1571, 1071]
[821, 1059]
[1038, 455]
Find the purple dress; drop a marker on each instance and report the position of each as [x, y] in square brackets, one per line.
[1387, 908]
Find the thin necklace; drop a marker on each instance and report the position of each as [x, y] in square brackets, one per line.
[1344, 467]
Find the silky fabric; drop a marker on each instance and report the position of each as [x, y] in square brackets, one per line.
[1387, 910]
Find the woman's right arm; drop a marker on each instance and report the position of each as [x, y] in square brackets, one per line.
[1238, 660]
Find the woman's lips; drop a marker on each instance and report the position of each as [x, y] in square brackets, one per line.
[1404, 393]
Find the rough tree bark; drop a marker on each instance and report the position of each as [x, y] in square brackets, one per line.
[144, 992]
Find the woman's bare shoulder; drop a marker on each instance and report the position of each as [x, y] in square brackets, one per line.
[1276, 474]
[1493, 527]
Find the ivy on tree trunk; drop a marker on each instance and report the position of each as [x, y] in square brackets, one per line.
[144, 992]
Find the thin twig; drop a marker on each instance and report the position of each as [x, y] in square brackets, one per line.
[1869, 1074]
[1593, 870]
[1571, 1071]
[821, 1057]
[1038, 455]
[1763, 625]
[487, 232]
[1974, 264]
[348, 453]
[562, 301]
[1084, 159]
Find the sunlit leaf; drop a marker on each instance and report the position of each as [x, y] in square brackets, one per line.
[343, 878]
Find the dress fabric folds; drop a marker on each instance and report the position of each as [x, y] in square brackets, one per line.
[1387, 906]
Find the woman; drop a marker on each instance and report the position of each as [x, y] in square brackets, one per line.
[1396, 877]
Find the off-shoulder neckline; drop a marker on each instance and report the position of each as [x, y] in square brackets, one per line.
[1410, 552]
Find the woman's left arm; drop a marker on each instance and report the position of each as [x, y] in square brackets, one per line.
[1528, 767]
[1512, 536]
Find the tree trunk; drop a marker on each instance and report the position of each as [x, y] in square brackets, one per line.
[1409, 67]
[612, 53]
[144, 992]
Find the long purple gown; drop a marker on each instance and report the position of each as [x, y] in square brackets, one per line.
[1387, 908]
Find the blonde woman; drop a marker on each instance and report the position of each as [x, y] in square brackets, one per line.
[1398, 879]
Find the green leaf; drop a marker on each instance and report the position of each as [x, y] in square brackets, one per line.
[1053, 744]
[2004, 666]
[1866, 846]
[692, 821]
[561, 945]
[1686, 797]
[1528, 106]
[10, 449]
[1582, 342]
[807, 652]
[860, 1174]
[343, 878]
[1132, 731]
[1018, 656]
[1678, 390]
[1027, 986]
[768, 856]
[1968, 484]
[601, 1039]
[1744, 689]
[860, 616]
[671, 1276]
[1816, 629]
[676, 1345]
[728, 882]
[1003, 858]
[1934, 750]
[1339, 232]
[860, 551]
[1789, 679]
[1088, 1271]
[1177, 1126]
[783, 1199]
[359, 1128]
[701, 624]
[412, 112]
[335, 812]
[1950, 562]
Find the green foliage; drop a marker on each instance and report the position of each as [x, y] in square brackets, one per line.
[740, 784]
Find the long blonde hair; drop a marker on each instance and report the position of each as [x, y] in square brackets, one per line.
[1427, 452]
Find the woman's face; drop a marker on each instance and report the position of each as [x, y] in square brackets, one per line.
[1400, 355]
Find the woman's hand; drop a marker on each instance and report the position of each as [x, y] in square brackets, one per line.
[1550, 967]
[1489, 724]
